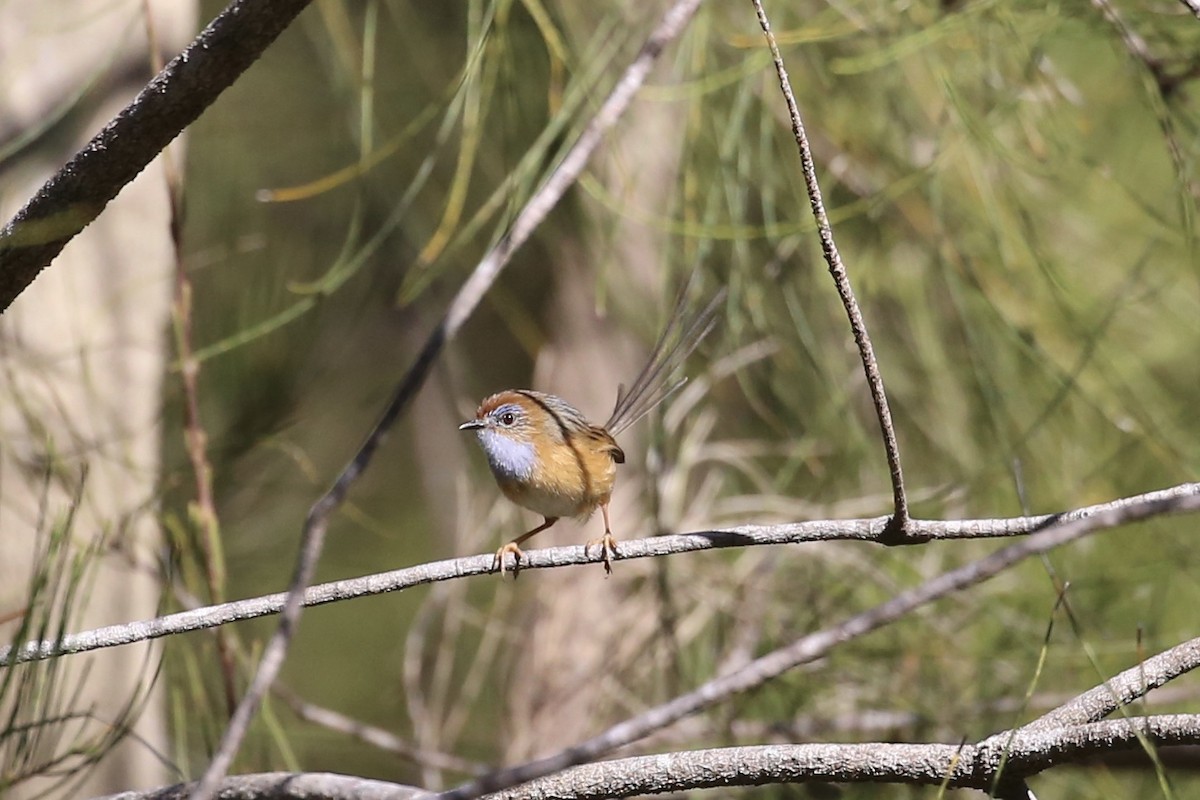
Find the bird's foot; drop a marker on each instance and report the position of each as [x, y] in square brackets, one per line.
[498, 560]
[608, 545]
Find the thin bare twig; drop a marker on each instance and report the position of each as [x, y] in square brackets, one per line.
[898, 531]
[204, 510]
[860, 723]
[464, 303]
[77, 193]
[1166, 81]
[1176, 499]
[1163, 85]
[370, 734]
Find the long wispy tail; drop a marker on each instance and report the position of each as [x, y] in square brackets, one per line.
[658, 379]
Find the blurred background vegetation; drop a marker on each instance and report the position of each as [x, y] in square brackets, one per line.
[1013, 192]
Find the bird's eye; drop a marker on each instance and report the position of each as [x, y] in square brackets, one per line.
[508, 419]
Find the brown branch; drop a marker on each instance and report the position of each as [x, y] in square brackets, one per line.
[898, 531]
[530, 217]
[77, 193]
[203, 513]
[1163, 85]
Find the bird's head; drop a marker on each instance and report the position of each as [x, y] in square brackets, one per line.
[508, 425]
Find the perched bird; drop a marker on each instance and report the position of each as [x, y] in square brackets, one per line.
[547, 457]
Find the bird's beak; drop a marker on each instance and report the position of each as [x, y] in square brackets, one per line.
[471, 424]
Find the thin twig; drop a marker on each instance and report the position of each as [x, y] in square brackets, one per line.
[77, 193]
[370, 734]
[464, 303]
[1177, 499]
[204, 510]
[860, 723]
[1162, 86]
[898, 530]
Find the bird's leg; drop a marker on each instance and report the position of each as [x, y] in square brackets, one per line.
[607, 542]
[514, 547]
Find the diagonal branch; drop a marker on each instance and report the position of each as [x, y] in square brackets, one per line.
[1097, 703]
[898, 530]
[316, 524]
[77, 193]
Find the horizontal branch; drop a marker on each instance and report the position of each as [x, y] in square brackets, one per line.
[957, 766]
[285, 786]
[1185, 497]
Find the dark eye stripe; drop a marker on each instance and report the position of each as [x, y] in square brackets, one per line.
[565, 415]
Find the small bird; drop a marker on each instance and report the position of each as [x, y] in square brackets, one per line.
[547, 457]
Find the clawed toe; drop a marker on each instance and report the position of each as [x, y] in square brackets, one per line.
[608, 545]
[498, 559]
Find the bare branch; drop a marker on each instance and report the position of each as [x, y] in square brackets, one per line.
[370, 734]
[1163, 85]
[78, 192]
[1123, 689]
[957, 766]
[286, 786]
[1182, 498]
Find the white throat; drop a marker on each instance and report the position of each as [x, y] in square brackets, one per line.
[510, 460]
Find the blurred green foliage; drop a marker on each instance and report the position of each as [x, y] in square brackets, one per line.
[1003, 191]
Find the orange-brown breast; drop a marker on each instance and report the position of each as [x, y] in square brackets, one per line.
[576, 474]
